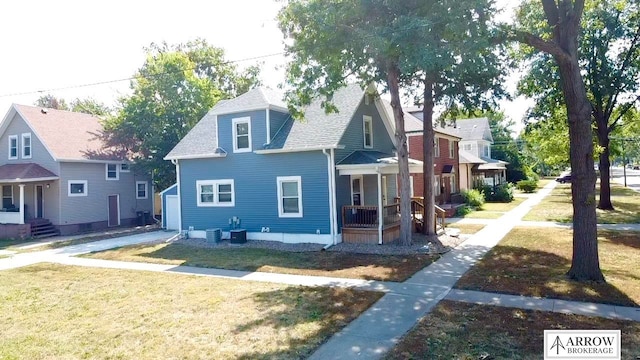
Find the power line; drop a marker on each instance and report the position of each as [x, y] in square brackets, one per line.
[131, 77]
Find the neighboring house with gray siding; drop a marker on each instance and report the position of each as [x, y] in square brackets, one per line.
[324, 179]
[55, 174]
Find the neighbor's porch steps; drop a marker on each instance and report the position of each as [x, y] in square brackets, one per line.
[42, 228]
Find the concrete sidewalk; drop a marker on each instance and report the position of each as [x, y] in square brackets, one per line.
[379, 328]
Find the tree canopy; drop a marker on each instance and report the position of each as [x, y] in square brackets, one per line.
[171, 92]
[86, 105]
[609, 56]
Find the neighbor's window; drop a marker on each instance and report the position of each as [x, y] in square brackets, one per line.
[452, 149]
[124, 167]
[13, 147]
[77, 188]
[436, 185]
[141, 189]
[26, 146]
[242, 134]
[289, 196]
[112, 171]
[215, 192]
[7, 196]
[436, 152]
[367, 124]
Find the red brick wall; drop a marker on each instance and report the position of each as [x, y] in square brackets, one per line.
[416, 152]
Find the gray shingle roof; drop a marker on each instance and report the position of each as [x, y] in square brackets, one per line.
[413, 123]
[259, 98]
[469, 158]
[319, 129]
[472, 129]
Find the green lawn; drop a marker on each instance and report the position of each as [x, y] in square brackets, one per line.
[557, 206]
[534, 261]
[324, 263]
[455, 330]
[494, 210]
[63, 312]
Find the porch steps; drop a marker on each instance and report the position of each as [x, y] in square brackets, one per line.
[42, 228]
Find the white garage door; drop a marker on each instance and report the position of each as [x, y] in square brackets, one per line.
[171, 212]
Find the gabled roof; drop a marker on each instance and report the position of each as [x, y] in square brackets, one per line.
[66, 135]
[254, 99]
[413, 124]
[469, 158]
[318, 129]
[10, 173]
[471, 129]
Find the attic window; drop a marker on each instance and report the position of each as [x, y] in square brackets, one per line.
[26, 146]
[241, 135]
[13, 147]
[367, 126]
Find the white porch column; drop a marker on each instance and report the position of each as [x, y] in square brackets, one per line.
[21, 221]
[380, 209]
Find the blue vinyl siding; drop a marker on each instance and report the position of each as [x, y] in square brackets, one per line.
[258, 130]
[343, 195]
[277, 120]
[353, 138]
[255, 187]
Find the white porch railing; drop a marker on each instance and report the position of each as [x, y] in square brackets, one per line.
[10, 217]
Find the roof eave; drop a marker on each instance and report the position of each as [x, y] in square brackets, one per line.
[312, 148]
[19, 180]
[194, 156]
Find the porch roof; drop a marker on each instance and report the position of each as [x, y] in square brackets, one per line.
[374, 162]
[493, 164]
[19, 173]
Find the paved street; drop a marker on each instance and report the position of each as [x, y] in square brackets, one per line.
[632, 177]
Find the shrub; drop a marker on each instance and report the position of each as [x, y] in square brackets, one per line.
[500, 193]
[473, 198]
[463, 210]
[527, 186]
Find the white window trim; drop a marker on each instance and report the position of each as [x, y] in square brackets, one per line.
[106, 170]
[146, 190]
[436, 147]
[367, 119]
[235, 122]
[84, 182]
[216, 202]
[280, 180]
[123, 170]
[354, 177]
[12, 199]
[24, 136]
[13, 137]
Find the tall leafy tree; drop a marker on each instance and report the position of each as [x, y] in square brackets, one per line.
[546, 142]
[558, 36]
[452, 56]
[90, 106]
[440, 47]
[171, 92]
[52, 102]
[609, 56]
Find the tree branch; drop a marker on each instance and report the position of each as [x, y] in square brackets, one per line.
[541, 45]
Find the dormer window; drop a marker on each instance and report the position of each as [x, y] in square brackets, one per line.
[13, 147]
[26, 146]
[242, 135]
[367, 126]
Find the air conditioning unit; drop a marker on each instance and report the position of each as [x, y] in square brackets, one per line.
[214, 235]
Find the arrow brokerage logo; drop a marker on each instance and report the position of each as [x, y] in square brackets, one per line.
[582, 344]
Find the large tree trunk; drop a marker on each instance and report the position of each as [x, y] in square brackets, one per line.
[428, 138]
[585, 264]
[393, 76]
[604, 203]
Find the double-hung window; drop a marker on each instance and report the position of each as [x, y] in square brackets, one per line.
[436, 144]
[242, 134]
[289, 196]
[215, 192]
[141, 189]
[124, 167]
[367, 127]
[7, 196]
[26, 146]
[13, 147]
[452, 149]
[112, 171]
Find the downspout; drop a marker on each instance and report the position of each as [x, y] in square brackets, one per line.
[380, 208]
[330, 177]
[175, 162]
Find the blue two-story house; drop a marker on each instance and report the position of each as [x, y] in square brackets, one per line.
[322, 179]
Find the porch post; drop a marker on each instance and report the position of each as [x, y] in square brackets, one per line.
[380, 209]
[21, 221]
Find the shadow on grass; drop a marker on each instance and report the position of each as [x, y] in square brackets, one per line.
[317, 263]
[309, 315]
[6, 243]
[626, 238]
[521, 271]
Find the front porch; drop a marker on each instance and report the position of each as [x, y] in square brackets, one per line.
[361, 224]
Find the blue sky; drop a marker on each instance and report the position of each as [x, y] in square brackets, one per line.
[61, 44]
